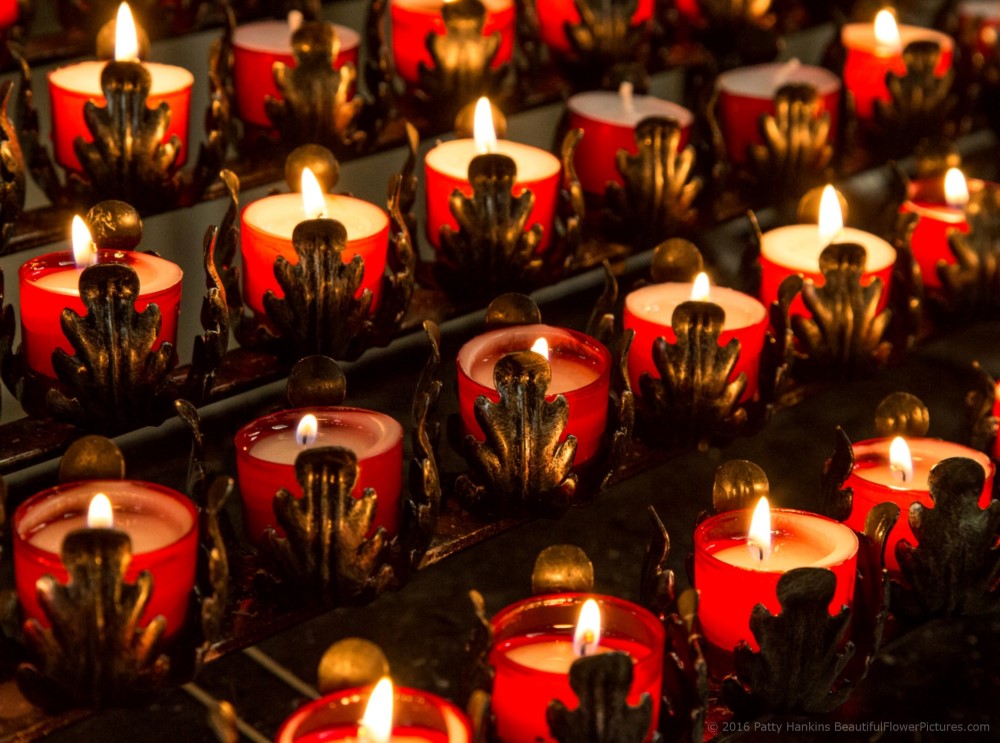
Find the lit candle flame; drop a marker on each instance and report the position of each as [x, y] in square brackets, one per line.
[759, 536]
[126, 38]
[84, 250]
[626, 92]
[541, 347]
[887, 32]
[900, 460]
[313, 200]
[99, 512]
[295, 19]
[700, 289]
[307, 430]
[956, 190]
[376, 724]
[482, 127]
[831, 218]
[587, 635]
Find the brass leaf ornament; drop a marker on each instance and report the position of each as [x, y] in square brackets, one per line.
[972, 283]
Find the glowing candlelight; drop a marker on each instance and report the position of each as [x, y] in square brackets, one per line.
[482, 126]
[956, 190]
[887, 32]
[376, 724]
[831, 218]
[84, 250]
[313, 200]
[126, 38]
[900, 460]
[587, 636]
[307, 430]
[759, 536]
[541, 347]
[99, 513]
[700, 289]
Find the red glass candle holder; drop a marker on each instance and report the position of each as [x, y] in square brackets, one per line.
[929, 243]
[413, 20]
[984, 15]
[162, 524]
[446, 170]
[746, 94]
[795, 249]
[526, 636]
[609, 126]
[265, 462]
[72, 86]
[9, 13]
[649, 310]
[266, 228]
[554, 15]
[256, 49]
[873, 482]
[50, 283]
[727, 592]
[417, 716]
[867, 62]
[581, 372]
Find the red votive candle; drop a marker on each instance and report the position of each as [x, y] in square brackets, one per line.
[581, 372]
[555, 15]
[257, 47]
[732, 578]
[50, 283]
[877, 478]
[266, 450]
[9, 13]
[874, 49]
[533, 650]
[70, 87]
[985, 15]
[266, 233]
[608, 121]
[940, 205]
[649, 312]
[746, 94]
[162, 524]
[446, 170]
[413, 20]
[416, 717]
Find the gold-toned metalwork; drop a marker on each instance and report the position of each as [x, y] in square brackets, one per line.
[316, 381]
[802, 651]
[349, 664]
[657, 199]
[953, 569]
[902, 414]
[494, 250]
[693, 397]
[116, 380]
[657, 589]
[225, 250]
[621, 422]
[572, 207]
[601, 324]
[878, 523]
[94, 653]
[739, 484]
[478, 679]
[797, 151]
[213, 563]
[522, 465]
[845, 332]
[676, 259]
[920, 102]
[92, 458]
[512, 309]
[980, 403]
[601, 683]
[562, 568]
[222, 720]
[12, 169]
[606, 46]
[317, 103]
[836, 501]
[972, 283]
[326, 550]
[461, 60]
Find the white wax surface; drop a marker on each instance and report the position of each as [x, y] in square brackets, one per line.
[569, 371]
[763, 80]
[798, 540]
[275, 37]
[798, 247]
[152, 519]
[155, 274]
[453, 158]
[986, 9]
[607, 106]
[430, 6]
[785, 555]
[925, 454]
[85, 78]
[363, 433]
[279, 214]
[551, 656]
[861, 36]
[657, 302]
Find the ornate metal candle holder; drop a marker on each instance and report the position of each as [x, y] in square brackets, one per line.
[12, 169]
[972, 283]
[522, 467]
[737, 33]
[128, 158]
[322, 311]
[93, 653]
[657, 199]
[980, 403]
[326, 549]
[115, 381]
[920, 102]
[492, 252]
